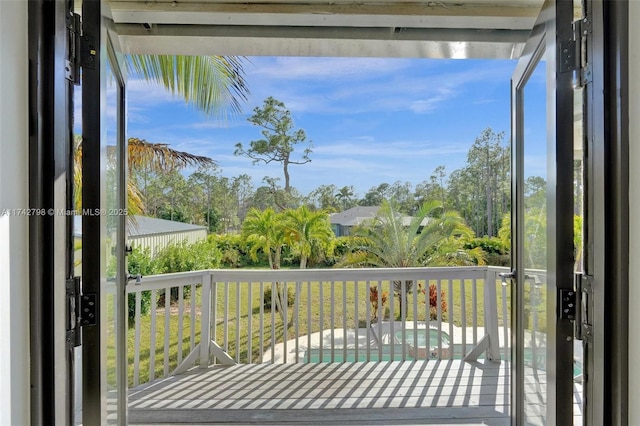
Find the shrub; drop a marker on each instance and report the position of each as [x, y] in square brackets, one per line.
[183, 257]
[291, 296]
[340, 247]
[233, 249]
[495, 248]
[139, 262]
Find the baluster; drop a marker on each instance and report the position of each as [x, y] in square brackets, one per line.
[152, 336]
[180, 322]
[136, 344]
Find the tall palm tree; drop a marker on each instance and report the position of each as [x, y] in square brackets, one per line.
[307, 231]
[388, 241]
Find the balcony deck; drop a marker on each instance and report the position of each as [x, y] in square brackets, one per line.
[432, 392]
[252, 370]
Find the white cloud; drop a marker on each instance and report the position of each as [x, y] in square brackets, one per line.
[392, 149]
[288, 68]
[353, 85]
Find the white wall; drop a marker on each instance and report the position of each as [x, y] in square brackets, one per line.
[14, 272]
[634, 212]
[155, 243]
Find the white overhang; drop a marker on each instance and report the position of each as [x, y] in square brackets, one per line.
[430, 29]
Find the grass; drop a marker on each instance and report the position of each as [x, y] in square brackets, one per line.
[240, 334]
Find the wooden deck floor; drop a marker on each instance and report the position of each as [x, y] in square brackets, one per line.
[434, 392]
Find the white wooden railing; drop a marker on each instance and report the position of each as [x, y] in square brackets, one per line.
[219, 317]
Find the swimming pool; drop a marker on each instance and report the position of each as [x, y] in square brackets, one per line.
[388, 352]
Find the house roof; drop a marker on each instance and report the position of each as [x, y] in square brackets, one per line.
[356, 215]
[353, 216]
[145, 226]
[150, 225]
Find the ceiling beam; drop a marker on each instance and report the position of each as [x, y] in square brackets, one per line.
[321, 41]
[518, 15]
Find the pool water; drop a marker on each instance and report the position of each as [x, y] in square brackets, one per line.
[410, 338]
[385, 353]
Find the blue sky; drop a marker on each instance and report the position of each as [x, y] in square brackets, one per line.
[370, 120]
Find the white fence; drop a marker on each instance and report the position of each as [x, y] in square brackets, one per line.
[331, 315]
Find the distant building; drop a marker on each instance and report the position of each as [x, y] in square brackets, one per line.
[341, 223]
[158, 233]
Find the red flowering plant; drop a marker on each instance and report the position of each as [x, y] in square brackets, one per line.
[433, 300]
[373, 298]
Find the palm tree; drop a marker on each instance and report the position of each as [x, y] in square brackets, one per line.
[211, 83]
[307, 231]
[388, 241]
[345, 195]
[264, 231]
[141, 155]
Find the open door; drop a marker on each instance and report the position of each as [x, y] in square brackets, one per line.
[104, 159]
[542, 292]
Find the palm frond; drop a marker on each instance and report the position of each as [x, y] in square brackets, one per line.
[214, 84]
[160, 157]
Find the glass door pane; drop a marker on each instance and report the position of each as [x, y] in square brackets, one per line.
[543, 248]
[104, 378]
[114, 240]
[533, 287]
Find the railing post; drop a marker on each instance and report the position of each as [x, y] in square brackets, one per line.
[205, 320]
[491, 315]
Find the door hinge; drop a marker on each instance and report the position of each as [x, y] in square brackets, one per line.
[568, 56]
[582, 68]
[82, 49]
[72, 63]
[82, 310]
[583, 330]
[568, 301]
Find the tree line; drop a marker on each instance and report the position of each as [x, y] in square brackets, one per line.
[479, 191]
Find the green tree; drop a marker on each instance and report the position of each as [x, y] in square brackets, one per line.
[243, 189]
[264, 232]
[401, 195]
[211, 83]
[175, 193]
[324, 197]
[345, 197]
[279, 138]
[309, 233]
[387, 241]
[376, 195]
[433, 189]
[481, 190]
[205, 179]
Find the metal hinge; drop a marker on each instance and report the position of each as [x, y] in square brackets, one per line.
[82, 310]
[72, 62]
[82, 49]
[568, 302]
[583, 330]
[582, 68]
